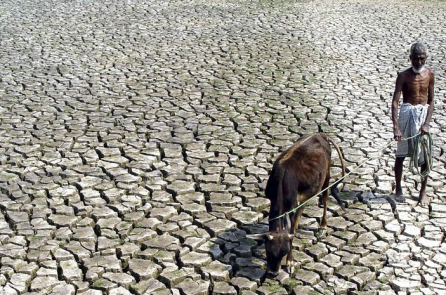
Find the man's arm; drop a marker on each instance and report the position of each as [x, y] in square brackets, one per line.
[396, 99]
[430, 101]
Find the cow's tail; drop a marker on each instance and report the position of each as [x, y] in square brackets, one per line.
[334, 187]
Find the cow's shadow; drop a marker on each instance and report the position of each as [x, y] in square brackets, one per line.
[247, 257]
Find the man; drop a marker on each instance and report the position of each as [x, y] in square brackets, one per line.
[417, 85]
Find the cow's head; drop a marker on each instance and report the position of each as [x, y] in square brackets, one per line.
[277, 245]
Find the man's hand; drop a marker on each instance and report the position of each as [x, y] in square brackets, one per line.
[397, 135]
[424, 129]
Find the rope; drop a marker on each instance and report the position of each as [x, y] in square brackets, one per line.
[389, 142]
[425, 143]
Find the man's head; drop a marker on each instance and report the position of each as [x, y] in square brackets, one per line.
[418, 55]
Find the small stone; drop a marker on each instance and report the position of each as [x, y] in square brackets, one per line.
[122, 279]
[271, 289]
[64, 289]
[246, 217]
[109, 263]
[163, 214]
[341, 286]
[216, 227]
[339, 223]
[404, 285]
[365, 239]
[243, 284]
[39, 284]
[103, 284]
[195, 259]
[148, 286]
[303, 290]
[335, 242]
[252, 274]
[143, 269]
[181, 187]
[119, 291]
[373, 261]
[161, 242]
[70, 270]
[191, 287]
[332, 261]
[223, 288]
[319, 268]
[217, 271]
[62, 255]
[20, 281]
[412, 231]
[423, 242]
[317, 251]
[307, 277]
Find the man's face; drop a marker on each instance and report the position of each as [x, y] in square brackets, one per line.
[418, 59]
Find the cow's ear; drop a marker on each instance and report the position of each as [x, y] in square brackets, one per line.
[290, 236]
[256, 236]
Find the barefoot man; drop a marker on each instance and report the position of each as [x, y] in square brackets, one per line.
[417, 85]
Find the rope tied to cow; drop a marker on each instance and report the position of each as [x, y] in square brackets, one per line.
[424, 141]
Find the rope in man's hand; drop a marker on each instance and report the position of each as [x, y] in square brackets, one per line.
[422, 143]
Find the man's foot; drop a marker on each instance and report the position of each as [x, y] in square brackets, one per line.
[399, 196]
[424, 200]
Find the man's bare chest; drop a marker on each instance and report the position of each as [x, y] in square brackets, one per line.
[416, 83]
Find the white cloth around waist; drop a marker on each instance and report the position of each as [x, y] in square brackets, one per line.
[410, 119]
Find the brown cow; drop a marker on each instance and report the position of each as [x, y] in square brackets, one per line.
[299, 173]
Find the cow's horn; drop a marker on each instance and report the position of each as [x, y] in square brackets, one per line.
[290, 236]
[256, 236]
[270, 237]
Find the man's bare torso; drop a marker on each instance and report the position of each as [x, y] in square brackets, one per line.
[415, 87]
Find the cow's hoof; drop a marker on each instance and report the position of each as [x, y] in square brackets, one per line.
[321, 233]
[290, 268]
[271, 274]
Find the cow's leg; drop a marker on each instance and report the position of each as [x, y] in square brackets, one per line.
[296, 219]
[325, 196]
[294, 225]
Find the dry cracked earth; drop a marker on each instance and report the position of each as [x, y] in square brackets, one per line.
[136, 138]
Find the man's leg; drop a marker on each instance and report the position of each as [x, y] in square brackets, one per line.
[398, 169]
[424, 200]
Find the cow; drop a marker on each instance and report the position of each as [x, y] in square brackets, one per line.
[298, 174]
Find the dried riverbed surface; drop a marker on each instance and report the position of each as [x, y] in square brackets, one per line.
[136, 138]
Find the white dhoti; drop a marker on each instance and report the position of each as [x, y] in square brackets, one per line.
[410, 120]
